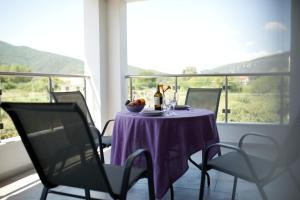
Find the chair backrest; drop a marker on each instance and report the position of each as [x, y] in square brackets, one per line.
[58, 140]
[74, 97]
[207, 98]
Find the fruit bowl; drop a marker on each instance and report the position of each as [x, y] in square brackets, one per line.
[135, 108]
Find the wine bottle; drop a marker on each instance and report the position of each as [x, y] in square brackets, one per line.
[158, 99]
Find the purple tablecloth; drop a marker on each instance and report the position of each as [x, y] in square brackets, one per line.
[170, 140]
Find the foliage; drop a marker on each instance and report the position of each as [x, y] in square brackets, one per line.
[11, 82]
[24, 89]
[189, 70]
[257, 100]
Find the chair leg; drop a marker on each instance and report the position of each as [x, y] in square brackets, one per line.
[123, 197]
[172, 192]
[87, 194]
[262, 192]
[151, 188]
[234, 188]
[101, 151]
[202, 184]
[208, 179]
[206, 173]
[44, 193]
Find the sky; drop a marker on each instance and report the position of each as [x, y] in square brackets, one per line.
[165, 35]
[169, 35]
[49, 25]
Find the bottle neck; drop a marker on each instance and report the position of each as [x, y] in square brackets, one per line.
[158, 90]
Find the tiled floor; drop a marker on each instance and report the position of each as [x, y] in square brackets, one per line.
[27, 186]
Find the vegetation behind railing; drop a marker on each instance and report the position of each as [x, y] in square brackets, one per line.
[249, 98]
[33, 87]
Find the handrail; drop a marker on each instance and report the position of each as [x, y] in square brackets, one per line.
[206, 75]
[31, 74]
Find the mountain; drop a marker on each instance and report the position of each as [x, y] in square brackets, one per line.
[45, 62]
[273, 63]
[140, 71]
[39, 61]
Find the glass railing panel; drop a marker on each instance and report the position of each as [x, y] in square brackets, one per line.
[24, 89]
[256, 99]
[31, 89]
[20, 89]
[285, 99]
[65, 84]
[202, 82]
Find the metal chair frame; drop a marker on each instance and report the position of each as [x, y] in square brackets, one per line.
[48, 185]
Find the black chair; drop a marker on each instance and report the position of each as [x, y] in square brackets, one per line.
[58, 140]
[207, 98]
[253, 168]
[77, 97]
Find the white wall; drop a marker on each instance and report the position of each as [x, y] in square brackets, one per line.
[106, 58]
[93, 58]
[13, 159]
[117, 55]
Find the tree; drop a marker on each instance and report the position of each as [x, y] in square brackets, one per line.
[189, 70]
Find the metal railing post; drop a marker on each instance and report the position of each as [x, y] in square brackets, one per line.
[226, 99]
[281, 98]
[176, 84]
[50, 88]
[84, 87]
[130, 88]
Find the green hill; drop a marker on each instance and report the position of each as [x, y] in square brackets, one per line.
[39, 61]
[273, 63]
[45, 62]
[140, 71]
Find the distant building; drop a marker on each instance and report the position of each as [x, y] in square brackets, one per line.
[244, 80]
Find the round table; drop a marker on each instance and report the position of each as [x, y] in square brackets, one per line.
[169, 139]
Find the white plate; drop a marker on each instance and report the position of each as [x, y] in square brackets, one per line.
[182, 107]
[152, 112]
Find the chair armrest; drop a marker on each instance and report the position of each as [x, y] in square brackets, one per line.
[129, 163]
[106, 125]
[94, 129]
[241, 142]
[232, 147]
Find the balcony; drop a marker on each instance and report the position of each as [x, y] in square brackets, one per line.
[26, 184]
[107, 86]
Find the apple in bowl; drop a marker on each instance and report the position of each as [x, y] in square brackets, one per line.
[136, 105]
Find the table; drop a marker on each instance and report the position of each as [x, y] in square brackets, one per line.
[170, 140]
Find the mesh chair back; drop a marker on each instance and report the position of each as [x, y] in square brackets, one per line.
[59, 143]
[207, 98]
[74, 97]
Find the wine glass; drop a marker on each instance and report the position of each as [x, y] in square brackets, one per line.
[173, 102]
[167, 106]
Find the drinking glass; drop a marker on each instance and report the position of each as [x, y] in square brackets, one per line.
[167, 106]
[173, 102]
